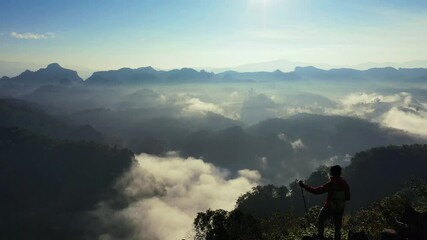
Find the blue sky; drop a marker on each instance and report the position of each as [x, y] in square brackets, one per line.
[103, 34]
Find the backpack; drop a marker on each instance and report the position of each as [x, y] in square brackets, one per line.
[338, 200]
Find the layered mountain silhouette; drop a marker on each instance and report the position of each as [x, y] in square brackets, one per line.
[26, 115]
[297, 141]
[27, 81]
[54, 170]
[258, 76]
[148, 74]
[128, 76]
[54, 74]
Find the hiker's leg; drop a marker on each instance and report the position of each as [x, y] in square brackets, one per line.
[323, 215]
[337, 223]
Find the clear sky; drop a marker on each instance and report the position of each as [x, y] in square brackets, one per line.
[107, 34]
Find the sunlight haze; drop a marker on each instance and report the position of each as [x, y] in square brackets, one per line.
[213, 119]
[211, 33]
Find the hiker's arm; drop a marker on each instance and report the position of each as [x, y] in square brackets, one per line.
[317, 190]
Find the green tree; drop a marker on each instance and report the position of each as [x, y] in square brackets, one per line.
[223, 225]
[263, 201]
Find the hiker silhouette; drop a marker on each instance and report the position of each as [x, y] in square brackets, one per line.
[338, 193]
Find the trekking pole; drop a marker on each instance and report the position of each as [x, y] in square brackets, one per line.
[307, 225]
[303, 198]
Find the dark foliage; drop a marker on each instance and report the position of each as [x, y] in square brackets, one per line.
[380, 172]
[223, 225]
[263, 201]
[372, 175]
[382, 197]
[399, 214]
[46, 185]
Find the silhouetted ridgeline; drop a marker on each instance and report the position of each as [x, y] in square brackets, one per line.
[128, 76]
[148, 74]
[28, 81]
[320, 138]
[382, 171]
[54, 74]
[47, 186]
[300, 141]
[22, 114]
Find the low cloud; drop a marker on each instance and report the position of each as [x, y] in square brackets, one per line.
[401, 111]
[364, 105]
[32, 36]
[296, 110]
[237, 96]
[342, 160]
[412, 121]
[195, 105]
[164, 195]
[282, 137]
[368, 98]
[297, 144]
[190, 105]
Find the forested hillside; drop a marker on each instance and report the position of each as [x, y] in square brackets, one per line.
[23, 114]
[48, 185]
[384, 183]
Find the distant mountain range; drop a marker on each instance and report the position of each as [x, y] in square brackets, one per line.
[54, 74]
[285, 65]
[29, 81]
[147, 74]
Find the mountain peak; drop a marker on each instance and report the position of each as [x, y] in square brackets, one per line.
[309, 68]
[53, 74]
[188, 69]
[147, 68]
[53, 66]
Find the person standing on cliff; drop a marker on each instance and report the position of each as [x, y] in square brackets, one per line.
[338, 194]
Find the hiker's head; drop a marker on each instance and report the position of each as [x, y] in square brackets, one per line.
[336, 171]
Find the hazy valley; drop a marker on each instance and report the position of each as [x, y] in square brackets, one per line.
[197, 140]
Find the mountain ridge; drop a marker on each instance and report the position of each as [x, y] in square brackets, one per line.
[54, 74]
[51, 73]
